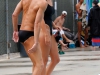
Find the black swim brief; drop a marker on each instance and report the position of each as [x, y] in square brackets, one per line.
[24, 35]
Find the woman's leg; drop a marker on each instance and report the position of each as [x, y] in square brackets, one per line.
[54, 56]
[36, 56]
[45, 48]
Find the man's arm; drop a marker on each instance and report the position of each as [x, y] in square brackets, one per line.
[55, 23]
[15, 14]
[64, 28]
[38, 19]
[79, 11]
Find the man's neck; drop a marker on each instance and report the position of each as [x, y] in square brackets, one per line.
[62, 17]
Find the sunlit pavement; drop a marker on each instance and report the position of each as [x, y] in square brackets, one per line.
[78, 61]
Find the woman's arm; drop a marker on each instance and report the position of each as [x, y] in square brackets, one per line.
[38, 19]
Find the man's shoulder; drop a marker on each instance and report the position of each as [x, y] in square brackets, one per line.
[91, 9]
[58, 17]
[77, 5]
[43, 3]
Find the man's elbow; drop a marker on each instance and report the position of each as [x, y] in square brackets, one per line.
[14, 15]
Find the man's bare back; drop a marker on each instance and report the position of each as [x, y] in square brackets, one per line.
[28, 35]
[33, 12]
[30, 9]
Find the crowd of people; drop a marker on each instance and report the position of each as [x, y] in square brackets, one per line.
[92, 24]
[40, 35]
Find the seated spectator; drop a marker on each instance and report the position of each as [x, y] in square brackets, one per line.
[59, 39]
[58, 23]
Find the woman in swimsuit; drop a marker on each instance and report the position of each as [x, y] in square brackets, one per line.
[47, 41]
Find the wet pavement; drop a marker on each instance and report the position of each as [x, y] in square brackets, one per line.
[78, 61]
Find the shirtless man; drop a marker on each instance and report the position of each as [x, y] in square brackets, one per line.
[28, 35]
[79, 23]
[58, 23]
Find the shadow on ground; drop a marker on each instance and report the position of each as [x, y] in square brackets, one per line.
[20, 74]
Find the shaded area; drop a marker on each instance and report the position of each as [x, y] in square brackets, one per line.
[87, 59]
[15, 66]
[15, 61]
[20, 74]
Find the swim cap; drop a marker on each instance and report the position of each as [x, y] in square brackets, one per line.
[64, 12]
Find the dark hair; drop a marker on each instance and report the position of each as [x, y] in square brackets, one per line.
[95, 2]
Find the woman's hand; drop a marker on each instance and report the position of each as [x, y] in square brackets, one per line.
[47, 34]
[47, 38]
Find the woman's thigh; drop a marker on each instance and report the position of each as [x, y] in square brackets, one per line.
[45, 47]
[54, 49]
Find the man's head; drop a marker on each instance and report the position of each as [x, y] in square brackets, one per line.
[64, 13]
[81, 1]
[94, 3]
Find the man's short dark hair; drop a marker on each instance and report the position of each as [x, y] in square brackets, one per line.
[95, 2]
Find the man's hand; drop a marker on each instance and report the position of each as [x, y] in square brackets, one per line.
[15, 36]
[58, 28]
[67, 29]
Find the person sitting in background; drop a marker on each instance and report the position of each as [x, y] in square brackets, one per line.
[58, 23]
[59, 39]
